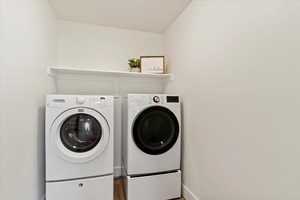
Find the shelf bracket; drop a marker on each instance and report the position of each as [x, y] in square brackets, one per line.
[50, 72]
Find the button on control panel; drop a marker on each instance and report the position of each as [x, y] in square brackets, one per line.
[80, 100]
[156, 99]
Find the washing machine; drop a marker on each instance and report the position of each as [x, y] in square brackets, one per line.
[79, 147]
[152, 146]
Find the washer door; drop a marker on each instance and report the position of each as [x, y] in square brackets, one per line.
[155, 130]
[80, 134]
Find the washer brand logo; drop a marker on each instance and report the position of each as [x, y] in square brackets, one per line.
[59, 100]
[80, 110]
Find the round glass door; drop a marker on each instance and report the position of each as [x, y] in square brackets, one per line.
[80, 133]
[155, 130]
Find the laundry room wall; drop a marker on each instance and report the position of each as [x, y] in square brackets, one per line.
[107, 48]
[28, 40]
[1, 87]
[236, 65]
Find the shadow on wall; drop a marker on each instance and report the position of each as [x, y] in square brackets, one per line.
[41, 153]
[182, 139]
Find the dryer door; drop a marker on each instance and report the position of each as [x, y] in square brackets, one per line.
[155, 130]
[80, 134]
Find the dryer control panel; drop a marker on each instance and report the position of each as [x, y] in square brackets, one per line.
[161, 99]
[169, 99]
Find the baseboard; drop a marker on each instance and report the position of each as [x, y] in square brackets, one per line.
[188, 194]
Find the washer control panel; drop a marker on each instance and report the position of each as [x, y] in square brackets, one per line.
[60, 101]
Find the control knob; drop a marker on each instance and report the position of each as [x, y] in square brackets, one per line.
[156, 99]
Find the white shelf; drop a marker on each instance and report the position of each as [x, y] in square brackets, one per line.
[53, 71]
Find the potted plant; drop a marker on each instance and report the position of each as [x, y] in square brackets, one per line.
[134, 64]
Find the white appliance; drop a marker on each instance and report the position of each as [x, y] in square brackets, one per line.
[79, 147]
[152, 146]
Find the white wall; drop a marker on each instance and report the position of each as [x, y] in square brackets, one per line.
[29, 42]
[1, 88]
[236, 64]
[92, 46]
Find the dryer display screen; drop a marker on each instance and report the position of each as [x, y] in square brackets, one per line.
[172, 99]
[156, 130]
